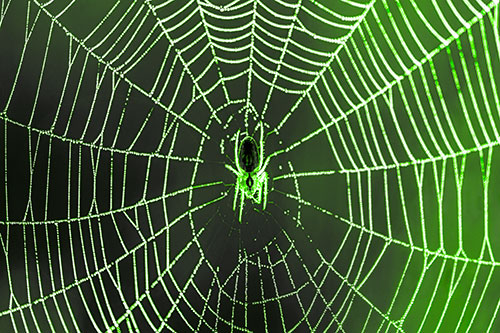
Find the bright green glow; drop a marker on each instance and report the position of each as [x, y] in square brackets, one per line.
[255, 189]
[397, 99]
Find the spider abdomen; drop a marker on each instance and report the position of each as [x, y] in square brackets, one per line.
[248, 154]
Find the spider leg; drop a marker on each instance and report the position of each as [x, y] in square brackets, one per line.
[242, 202]
[230, 168]
[265, 191]
[236, 157]
[261, 144]
[266, 162]
[236, 195]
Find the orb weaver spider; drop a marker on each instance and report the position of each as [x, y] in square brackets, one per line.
[251, 177]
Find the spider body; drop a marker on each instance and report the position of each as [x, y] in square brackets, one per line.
[251, 177]
[248, 154]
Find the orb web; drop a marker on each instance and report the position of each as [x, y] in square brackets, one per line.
[380, 119]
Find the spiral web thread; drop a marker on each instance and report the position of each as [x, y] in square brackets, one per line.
[405, 93]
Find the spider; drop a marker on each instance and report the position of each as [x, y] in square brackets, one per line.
[251, 177]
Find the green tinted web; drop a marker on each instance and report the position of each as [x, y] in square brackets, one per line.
[381, 148]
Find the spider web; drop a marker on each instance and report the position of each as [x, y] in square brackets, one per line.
[381, 126]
